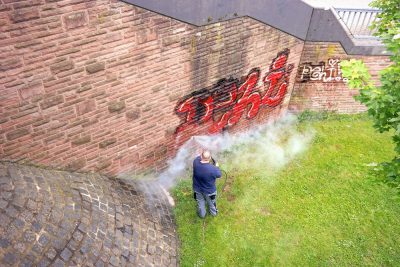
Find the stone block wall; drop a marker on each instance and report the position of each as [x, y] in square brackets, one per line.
[109, 87]
[319, 85]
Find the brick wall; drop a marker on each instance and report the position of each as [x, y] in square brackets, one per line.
[314, 90]
[95, 85]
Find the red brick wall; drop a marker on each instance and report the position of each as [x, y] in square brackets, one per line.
[331, 95]
[93, 85]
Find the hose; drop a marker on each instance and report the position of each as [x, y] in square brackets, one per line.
[214, 162]
[226, 178]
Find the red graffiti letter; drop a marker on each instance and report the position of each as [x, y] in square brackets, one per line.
[273, 78]
[247, 98]
[209, 106]
[189, 108]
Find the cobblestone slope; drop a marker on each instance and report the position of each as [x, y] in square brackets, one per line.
[67, 219]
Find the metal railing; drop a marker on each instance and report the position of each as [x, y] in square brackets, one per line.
[358, 21]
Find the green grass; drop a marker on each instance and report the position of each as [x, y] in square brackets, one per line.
[325, 208]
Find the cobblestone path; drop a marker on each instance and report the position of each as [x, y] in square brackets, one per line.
[56, 218]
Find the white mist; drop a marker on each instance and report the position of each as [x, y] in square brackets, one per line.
[268, 146]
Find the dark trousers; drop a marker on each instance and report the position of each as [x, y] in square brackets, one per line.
[210, 199]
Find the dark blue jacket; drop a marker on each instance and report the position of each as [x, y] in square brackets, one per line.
[204, 176]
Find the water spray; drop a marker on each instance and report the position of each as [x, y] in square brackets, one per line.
[265, 147]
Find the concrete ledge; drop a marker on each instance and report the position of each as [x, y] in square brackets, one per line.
[325, 26]
[289, 16]
[293, 17]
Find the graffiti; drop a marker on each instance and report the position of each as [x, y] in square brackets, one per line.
[225, 103]
[321, 72]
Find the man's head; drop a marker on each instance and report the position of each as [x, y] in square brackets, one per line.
[205, 156]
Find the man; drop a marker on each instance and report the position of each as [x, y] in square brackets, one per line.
[204, 176]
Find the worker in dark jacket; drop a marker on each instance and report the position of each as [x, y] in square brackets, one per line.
[204, 176]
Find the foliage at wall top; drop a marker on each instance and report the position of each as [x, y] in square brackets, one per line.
[383, 102]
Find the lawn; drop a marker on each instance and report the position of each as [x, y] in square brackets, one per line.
[323, 208]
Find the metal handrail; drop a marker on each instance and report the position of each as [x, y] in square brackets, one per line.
[358, 21]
